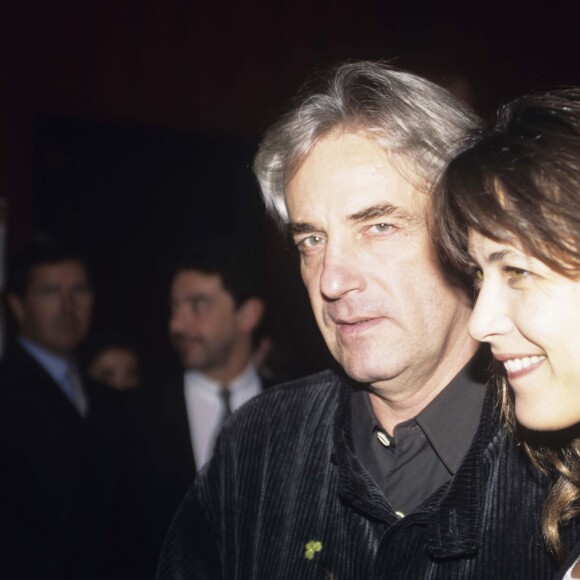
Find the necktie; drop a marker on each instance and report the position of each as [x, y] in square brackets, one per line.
[227, 409]
[77, 392]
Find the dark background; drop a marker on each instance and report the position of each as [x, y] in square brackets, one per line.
[128, 126]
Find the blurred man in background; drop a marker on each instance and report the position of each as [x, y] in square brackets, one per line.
[217, 304]
[55, 430]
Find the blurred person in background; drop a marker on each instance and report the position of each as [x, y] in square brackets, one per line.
[217, 304]
[56, 430]
[112, 360]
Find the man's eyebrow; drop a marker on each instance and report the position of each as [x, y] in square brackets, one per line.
[372, 212]
[197, 296]
[380, 210]
[300, 228]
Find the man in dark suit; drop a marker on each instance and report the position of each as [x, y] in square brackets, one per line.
[216, 302]
[53, 428]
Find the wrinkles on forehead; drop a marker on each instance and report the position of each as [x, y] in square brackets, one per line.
[375, 211]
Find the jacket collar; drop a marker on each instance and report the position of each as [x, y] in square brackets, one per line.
[453, 514]
[355, 484]
[455, 518]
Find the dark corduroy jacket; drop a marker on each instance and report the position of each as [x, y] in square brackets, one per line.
[284, 497]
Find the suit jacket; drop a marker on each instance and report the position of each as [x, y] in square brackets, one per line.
[285, 497]
[58, 474]
[159, 467]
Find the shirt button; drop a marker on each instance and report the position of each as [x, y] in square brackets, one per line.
[383, 439]
[400, 515]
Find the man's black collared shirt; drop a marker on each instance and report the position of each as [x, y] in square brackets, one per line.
[422, 453]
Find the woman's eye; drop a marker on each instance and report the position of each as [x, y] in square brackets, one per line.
[476, 274]
[516, 273]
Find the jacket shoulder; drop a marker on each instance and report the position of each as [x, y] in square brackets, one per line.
[21, 376]
[299, 397]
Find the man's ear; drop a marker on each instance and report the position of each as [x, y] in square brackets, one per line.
[16, 307]
[250, 314]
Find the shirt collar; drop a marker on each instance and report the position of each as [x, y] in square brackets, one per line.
[245, 380]
[449, 421]
[56, 366]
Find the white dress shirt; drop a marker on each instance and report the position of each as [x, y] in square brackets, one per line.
[205, 408]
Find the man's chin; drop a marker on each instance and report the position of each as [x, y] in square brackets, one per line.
[360, 375]
[63, 347]
[192, 363]
[367, 373]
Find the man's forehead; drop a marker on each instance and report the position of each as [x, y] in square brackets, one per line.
[349, 175]
[405, 204]
[197, 282]
[58, 272]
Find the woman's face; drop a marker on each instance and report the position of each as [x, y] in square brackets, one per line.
[530, 315]
[116, 367]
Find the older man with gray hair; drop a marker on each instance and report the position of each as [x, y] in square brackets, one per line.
[398, 467]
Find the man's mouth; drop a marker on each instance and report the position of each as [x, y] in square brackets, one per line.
[348, 327]
[182, 340]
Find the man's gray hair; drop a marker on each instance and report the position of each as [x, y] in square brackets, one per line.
[414, 120]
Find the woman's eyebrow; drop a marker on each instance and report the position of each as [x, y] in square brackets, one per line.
[498, 256]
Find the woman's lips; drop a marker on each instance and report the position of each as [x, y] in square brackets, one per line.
[517, 366]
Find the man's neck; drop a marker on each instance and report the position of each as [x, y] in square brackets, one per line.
[404, 397]
[237, 362]
[225, 375]
[31, 345]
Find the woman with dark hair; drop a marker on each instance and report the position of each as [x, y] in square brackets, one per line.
[113, 360]
[508, 211]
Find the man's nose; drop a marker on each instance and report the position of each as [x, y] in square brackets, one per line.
[490, 317]
[68, 300]
[180, 320]
[341, 272]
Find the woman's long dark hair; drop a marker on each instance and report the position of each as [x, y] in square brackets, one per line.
[520, 181]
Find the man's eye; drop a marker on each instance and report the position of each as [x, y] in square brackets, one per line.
[81, 290]
[309, 244]
[200, 305]
[311, 241]
[48, 291]
[381, 228]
